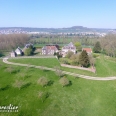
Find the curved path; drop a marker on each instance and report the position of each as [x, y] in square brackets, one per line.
[64, 72]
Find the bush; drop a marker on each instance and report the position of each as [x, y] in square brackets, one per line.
[64, 81]
[10, 70]
[28, 51]
[75, 63]
[69, 54]
[58, 71]
[95, 55]
[43, 81]
[18, 84]
[43, 95]
[65, 61]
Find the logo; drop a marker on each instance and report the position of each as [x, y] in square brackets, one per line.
[10, 108]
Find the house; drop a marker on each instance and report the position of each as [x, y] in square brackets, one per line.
[18, 51]
[28, 45]
[88, 50]
[49, 50]
[69, 47]
[13, 54]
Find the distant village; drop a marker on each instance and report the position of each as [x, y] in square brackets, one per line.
[50, 50]
[57, 32]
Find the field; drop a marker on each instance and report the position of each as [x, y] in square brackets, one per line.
[48, 62]
[105, 66]
[82, 98]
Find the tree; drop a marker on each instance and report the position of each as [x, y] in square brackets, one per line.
[18, 84]
[58, 71]
[84, 59]
[28, 51]
[43, 95]
[78, 46]
[97, 47]
[1, 54]
[69, 54]
[43, 81]
[64, 81]
[58, 55]
[10, 69]
[92, 60]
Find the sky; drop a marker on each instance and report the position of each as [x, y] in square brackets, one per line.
[58, 13]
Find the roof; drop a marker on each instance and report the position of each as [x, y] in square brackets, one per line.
[49, 48]
[69, 46]
[13, 52]
[28, 45]
[87, 49]
[18, 49]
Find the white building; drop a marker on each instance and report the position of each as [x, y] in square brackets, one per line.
[13, 54]
[49, 50]
[19, 51]
[67, 48]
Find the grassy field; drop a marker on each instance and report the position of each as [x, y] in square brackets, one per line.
[48, 62]
[105, 66]
[82, 98]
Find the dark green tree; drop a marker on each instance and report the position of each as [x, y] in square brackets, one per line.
[97, 47]
[58, 55]
[84, 59]
[28, 51]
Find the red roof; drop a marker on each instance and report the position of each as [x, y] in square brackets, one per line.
[51, 47]
[87, 49]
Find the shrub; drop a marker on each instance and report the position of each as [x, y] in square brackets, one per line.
[65, 61]
[75, 63]
[64, 81]
[18, 84]
[10, 69]
[69, 54]
[28, 51]
[59, 72]
[43, 81]
[43, 95]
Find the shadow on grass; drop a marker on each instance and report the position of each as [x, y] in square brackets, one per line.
[25, 85]
[46, 70]
[76, 77]
[50, 83]
[15, 71]
[4, 88]
[27, 76]
[70, 83]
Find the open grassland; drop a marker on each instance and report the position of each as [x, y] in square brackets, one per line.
[105, 66]
[82, 98]
[48, 62]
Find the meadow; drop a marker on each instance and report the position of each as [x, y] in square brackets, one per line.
[81, 98]
[105, 66]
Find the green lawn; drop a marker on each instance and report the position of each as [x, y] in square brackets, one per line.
[48, 62]
[105, 66]
[82, 98]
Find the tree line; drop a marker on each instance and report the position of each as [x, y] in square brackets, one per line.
[11, 41]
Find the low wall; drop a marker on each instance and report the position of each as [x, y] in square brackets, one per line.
[77, 67]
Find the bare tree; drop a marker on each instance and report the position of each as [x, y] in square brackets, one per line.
[18, 84]
[64, 81]
[43, 81]
[58, 71]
